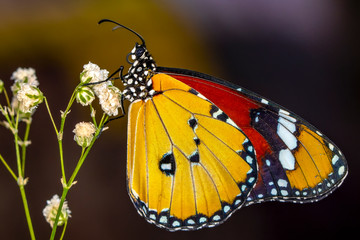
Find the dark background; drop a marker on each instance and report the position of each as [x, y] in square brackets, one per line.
[300, 54]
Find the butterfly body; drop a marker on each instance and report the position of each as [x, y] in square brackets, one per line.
[200, 148]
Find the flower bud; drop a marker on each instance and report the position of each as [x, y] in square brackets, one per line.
[84, 96]
[1, 86]
[84, 133]
[28, 97]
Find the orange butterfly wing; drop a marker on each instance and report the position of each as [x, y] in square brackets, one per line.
[188, 166]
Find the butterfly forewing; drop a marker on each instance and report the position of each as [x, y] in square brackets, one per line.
[296, 161]
[189, 165]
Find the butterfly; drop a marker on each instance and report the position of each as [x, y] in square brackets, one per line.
[200, 148]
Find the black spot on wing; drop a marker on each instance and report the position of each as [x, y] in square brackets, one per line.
[194, 158]
[213, 109]
[167, 164]
[197, 141]
[218, 114]
[193, 91]
[192, 123]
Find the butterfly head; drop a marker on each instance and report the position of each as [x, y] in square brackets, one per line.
[137, 81]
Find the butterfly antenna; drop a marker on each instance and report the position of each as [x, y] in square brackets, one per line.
[122, 26]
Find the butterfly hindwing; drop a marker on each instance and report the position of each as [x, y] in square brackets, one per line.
[189, 165]
[297, 162]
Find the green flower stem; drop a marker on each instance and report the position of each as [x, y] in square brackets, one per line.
[23, 147]
[63, 231]
[93, 117]
[21, 181]
[60, 134]
[10, 121]
[8, 168]
[27, 212]
[67, 186]
[51, 117]
[7, 98]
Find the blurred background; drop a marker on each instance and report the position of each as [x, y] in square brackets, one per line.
[297, 53]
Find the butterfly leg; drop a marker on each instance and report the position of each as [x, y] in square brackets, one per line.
[118, 117]
[110, 78]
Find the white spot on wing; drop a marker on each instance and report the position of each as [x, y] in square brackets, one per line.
[201, 96]
[341, 170]
[166, 166]
[286, 115]
[163, 219]
[264, 101]
[282, 183]
[335, 159]
[287, 159]
[289, 125]
[288, 138]
[231, 122]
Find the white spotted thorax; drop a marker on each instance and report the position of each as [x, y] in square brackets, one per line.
[137, 81]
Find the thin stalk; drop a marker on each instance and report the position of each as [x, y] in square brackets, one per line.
[63, 231]
[60, 136]
[8, 168]
[93, 116]
[27, 212]
[51, 117]
[23, 147]
[62, 161]
[21, 181]
[16, 138]
[7, 97]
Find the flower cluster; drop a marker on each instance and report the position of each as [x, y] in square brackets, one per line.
[51, 209]
[26, 94]
[109, 95]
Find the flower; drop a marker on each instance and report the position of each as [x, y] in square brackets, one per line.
[93, 73]
[25, 75]
[110, 100]
[26, 94]
[28, 97]
[51, 209]
[84, 133]
[84, 95]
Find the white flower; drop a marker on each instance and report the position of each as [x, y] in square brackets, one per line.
[84, 95]
[24, 75]
[28, 97]
[110, 100]
[84, 133]
[51, 209]
[93, 73]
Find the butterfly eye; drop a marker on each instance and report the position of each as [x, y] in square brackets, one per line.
[139, 52]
